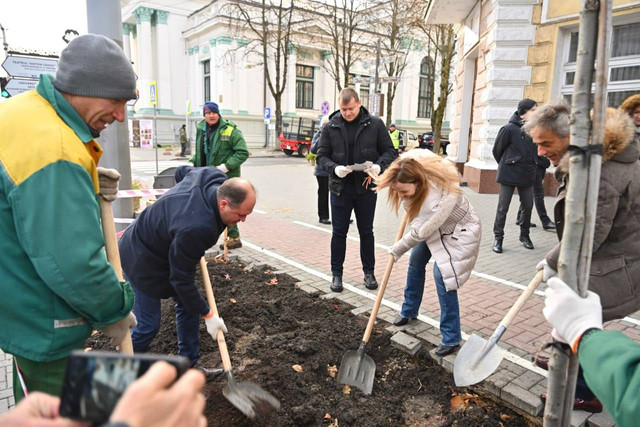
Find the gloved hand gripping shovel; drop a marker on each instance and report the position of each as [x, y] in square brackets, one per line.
[248, 397]
[358, 369]
[479, 358]
[113, 255]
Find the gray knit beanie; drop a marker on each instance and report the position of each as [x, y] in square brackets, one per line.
[94, 65]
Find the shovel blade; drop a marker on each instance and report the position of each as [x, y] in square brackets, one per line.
[469, 367]
[357, 369]
[251, 399]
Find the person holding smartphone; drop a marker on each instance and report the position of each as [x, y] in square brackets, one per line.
[161, 249]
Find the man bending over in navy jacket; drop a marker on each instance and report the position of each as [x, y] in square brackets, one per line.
[161, 249]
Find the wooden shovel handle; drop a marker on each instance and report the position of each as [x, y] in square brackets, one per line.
[113, 256]
[226, 244]
[383, 285]
[511, 314]
[222, 344]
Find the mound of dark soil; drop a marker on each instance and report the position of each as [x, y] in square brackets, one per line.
[274, 326]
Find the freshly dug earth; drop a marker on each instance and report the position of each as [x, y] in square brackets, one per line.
[274, 326]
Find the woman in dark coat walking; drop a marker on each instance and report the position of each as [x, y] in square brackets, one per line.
[323, 179]
[516, 155]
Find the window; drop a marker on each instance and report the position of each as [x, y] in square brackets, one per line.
[206, 71]
[624, 64]
[364, 92]
[425, 93]
[304, 86]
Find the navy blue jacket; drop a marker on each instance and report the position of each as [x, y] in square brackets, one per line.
[161, 249]
[516, 154]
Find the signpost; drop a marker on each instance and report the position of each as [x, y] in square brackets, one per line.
[29, 67]
[391, 79]
[267, 124]
[153, 100]
[17, 86]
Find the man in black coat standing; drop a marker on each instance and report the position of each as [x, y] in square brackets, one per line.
[352, 137]
[516, 154]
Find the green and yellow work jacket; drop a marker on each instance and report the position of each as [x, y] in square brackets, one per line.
[395, 138]
[55, 281]
[226, 145]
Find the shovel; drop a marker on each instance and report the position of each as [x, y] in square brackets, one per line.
[248, 397]
[479, 358]
[358, 369]
[113, 256]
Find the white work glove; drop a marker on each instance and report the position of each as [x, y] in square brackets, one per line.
[373, 170]
[108, 180]
[117, 331]
[342, 171]
[396, 256]
[569, 314]
[213, 324]
[547, 272]
[223, 168]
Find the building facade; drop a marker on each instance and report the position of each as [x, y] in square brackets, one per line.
[512, 49]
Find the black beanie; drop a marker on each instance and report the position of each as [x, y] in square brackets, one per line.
[526, 105]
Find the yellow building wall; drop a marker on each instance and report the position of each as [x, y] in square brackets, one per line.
[542, 53]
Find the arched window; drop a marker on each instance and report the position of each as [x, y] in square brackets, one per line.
[425, 94]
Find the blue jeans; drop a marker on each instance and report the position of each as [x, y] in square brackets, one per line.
[147, 311]
[413, 291]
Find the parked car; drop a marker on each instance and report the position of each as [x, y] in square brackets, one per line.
[426, 141]
[408, 140]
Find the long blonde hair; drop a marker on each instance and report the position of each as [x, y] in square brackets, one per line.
[422, 172]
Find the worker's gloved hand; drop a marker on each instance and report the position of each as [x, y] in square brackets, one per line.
[396, 256]
[213, 323]
[373, 170]
[569, 314]
[548, 272]
[117, 331]
[223, 168]
[341, 171]
[108, 180]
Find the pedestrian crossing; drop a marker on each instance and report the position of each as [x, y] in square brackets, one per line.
[148, 168]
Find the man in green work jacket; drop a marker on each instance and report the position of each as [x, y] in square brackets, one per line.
[56, 283]
[220, 144]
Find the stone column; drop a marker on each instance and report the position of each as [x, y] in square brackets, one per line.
[164, 62]
[145, 60]
[243, 82]
[223, 85]
[126, 40]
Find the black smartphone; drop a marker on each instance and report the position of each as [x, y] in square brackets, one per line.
[95, 381]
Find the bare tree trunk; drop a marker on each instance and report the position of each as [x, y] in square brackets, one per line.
[447, 52]
[581, 200]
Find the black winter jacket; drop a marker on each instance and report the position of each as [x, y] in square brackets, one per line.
[161, 249]
[516, 155]
[372, 143]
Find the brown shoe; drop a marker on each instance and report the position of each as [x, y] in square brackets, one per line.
[594, 405]
[542, 362]
[234, 243]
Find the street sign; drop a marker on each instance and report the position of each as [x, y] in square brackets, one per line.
[387, 59]
[29, 67]
[392, 79]
[361, 80]
[267, 113]
[153, 93]
[17, 86]
[324, 108]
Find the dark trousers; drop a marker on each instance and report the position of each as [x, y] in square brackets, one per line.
[364, 206]
[504, 200]
[538, 197]
[183, 145]
[323, 197]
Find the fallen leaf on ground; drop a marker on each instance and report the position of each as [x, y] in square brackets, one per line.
[458, 403]
[297, 368]
[327, 417]
[273, 281]
[504, 417]
[226, 276]
[332, 370]
[336, 307]
[233, 300]
[268, 272]
[87, 349]
[346, 389]
[334, 423]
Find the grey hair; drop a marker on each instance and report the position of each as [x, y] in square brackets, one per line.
[553, 117]
[347, 94]
[234, 191]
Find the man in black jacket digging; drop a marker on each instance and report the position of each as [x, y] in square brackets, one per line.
[161, 249]
[516, 156]
[352, 137]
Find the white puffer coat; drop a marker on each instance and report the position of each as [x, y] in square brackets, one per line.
[451, 228]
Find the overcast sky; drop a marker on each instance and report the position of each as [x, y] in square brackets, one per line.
[40, 24]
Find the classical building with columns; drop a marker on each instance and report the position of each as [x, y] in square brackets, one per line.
[512, 49]
[195, 54]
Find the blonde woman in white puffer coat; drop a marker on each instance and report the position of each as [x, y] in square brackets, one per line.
[443, 225]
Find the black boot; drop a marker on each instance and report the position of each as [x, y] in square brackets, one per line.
[370, 281]
[526, 241]
[549, 225]
[497, 246]
[336, 284]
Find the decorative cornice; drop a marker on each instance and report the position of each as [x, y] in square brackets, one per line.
[291, 49]
[212, 42]
[205, 48]
[128, 28]
[162, 16]
[242, 42]
[196, 49]
[143, 14]
[326, 54]
[223, 40]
